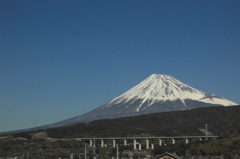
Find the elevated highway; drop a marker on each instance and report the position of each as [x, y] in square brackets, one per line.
[138, 141]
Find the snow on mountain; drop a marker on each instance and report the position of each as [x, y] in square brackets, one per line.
[157, 93]
[158, 87]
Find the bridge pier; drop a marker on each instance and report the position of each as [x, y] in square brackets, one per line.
[152, 146]
[125, 142]
[114, 143]
[147, 144]
[160, 142]
[91, 143]
[186, 140]
[173, 141]
[134, 144]
[102, 143]
[139, 146]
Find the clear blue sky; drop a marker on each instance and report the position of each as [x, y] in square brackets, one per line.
[60, 58]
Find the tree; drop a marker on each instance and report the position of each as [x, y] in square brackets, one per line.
[160, 150]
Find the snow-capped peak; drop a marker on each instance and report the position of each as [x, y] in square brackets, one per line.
[157, 93]
[159, 87]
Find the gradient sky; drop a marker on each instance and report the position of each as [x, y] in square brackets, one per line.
[60, 58]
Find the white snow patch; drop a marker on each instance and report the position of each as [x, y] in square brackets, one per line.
[158, 87]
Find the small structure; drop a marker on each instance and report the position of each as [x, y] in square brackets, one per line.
[168, 155]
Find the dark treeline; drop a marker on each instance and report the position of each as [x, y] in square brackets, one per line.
[220, 121]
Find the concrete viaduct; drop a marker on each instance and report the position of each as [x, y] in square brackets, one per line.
[149, 140]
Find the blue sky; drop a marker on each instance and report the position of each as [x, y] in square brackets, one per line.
[60, 59]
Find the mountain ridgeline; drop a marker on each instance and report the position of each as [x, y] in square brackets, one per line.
[157, 93]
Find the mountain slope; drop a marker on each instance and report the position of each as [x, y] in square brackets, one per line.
[219, 119]
[157, 93]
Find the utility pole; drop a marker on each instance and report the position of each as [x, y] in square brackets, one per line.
[94, 148]
[85, 152]
[117, 151]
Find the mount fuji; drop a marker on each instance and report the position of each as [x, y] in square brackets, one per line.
[157, 93]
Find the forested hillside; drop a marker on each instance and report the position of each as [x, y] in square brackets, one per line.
[220, 120]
